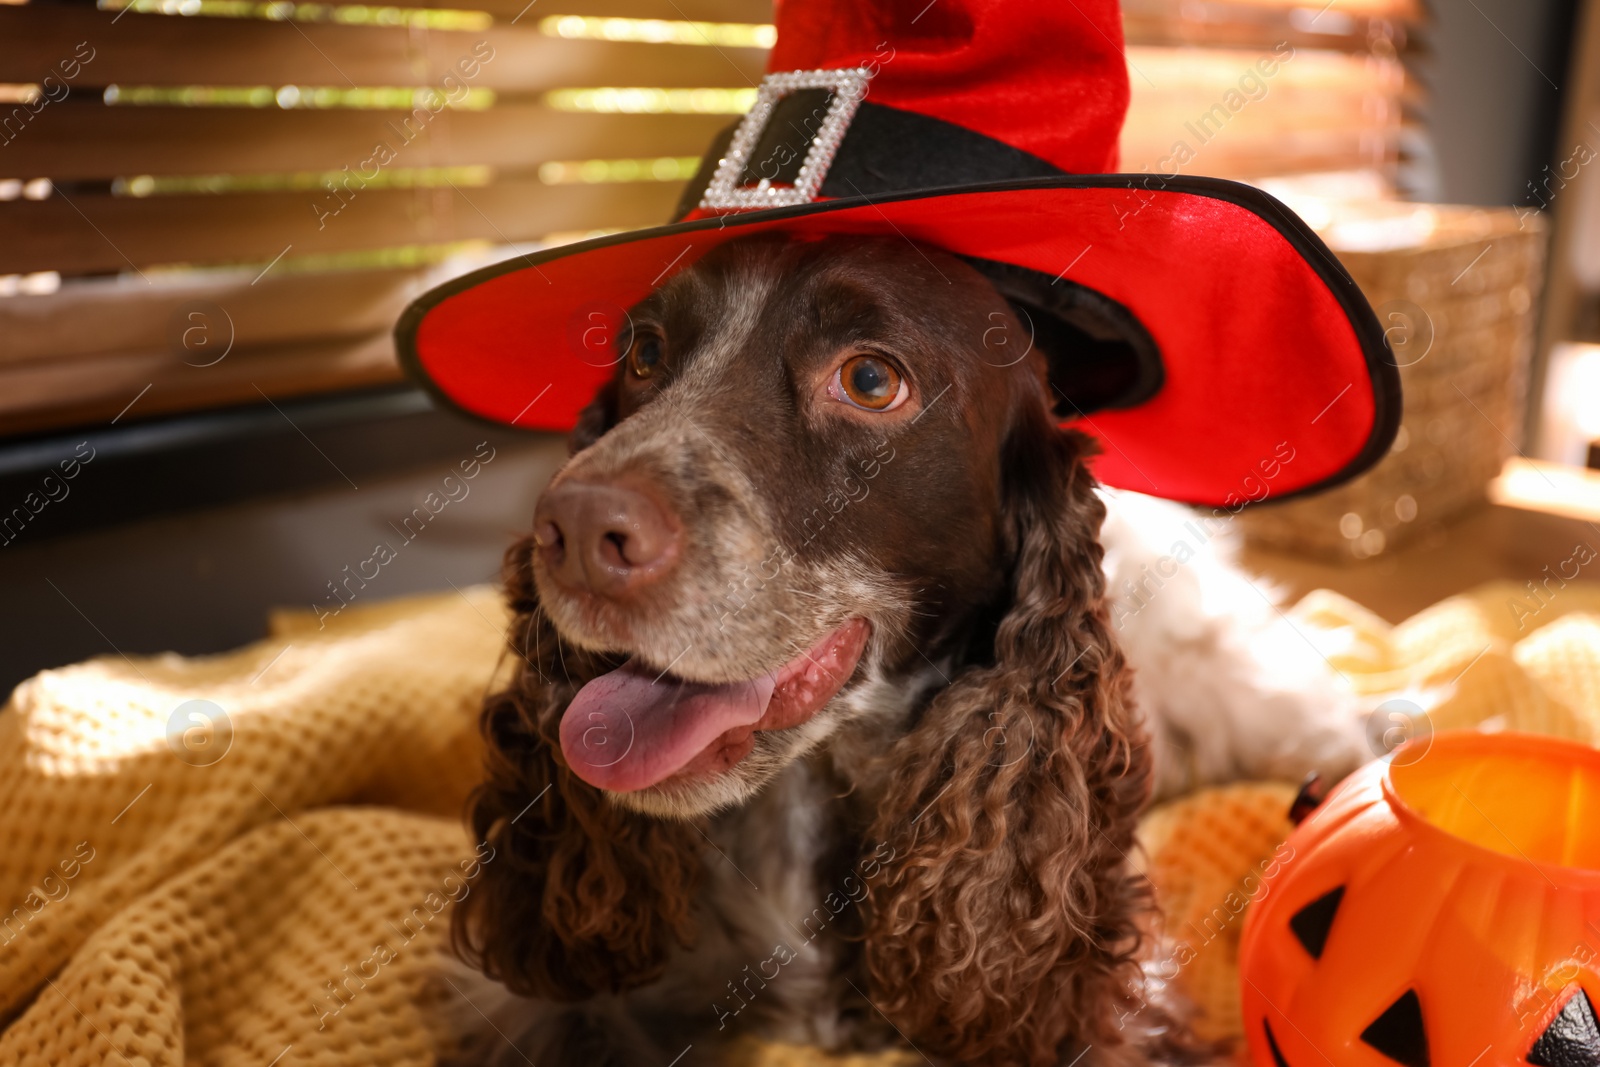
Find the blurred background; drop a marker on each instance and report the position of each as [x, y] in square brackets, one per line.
[212, 211]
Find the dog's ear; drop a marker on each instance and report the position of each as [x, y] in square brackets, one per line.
[1006, 923]
[574, 896]
[594, 420]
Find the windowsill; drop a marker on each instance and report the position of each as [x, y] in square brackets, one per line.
[206, 459]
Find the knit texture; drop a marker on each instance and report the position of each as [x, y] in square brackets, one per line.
[1207, 854]
[173, 894]
[172, 909]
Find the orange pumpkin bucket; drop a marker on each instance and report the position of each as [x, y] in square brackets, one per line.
[1440, 909]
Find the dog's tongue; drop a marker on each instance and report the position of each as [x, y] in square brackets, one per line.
[626, 730]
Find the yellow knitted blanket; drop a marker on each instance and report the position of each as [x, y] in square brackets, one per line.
[250, 858]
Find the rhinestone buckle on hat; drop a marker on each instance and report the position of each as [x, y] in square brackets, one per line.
[849, 88]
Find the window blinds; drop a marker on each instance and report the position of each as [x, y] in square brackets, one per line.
[210, 202]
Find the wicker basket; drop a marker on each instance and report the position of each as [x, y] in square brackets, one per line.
[1455, 288]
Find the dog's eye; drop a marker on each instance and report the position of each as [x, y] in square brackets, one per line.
[869, 382]
[644, 355]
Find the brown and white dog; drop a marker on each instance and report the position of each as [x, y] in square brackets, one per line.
[821, 729]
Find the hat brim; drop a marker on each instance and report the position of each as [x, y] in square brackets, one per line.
[1278, 379]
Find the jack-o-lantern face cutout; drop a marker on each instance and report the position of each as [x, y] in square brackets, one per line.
[1441, 913]
[1572, 1038]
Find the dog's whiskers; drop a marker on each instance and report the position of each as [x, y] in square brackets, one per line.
[561, 655]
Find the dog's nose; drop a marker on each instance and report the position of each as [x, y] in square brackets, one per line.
[603, 538]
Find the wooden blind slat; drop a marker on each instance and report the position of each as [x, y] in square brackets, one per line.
[1166, 33]
[1183, 116]
[96, 317]
[89, 141]
[42, 396]
[760, 11]
[93, 233]
[1269, 155]
[1213, 70]
[1200, 11]
[746, 11]
[166, 50]
[1260, 26]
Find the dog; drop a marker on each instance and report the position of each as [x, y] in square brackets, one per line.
[823, 726]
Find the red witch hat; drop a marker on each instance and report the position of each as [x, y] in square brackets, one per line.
[1195, 326]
